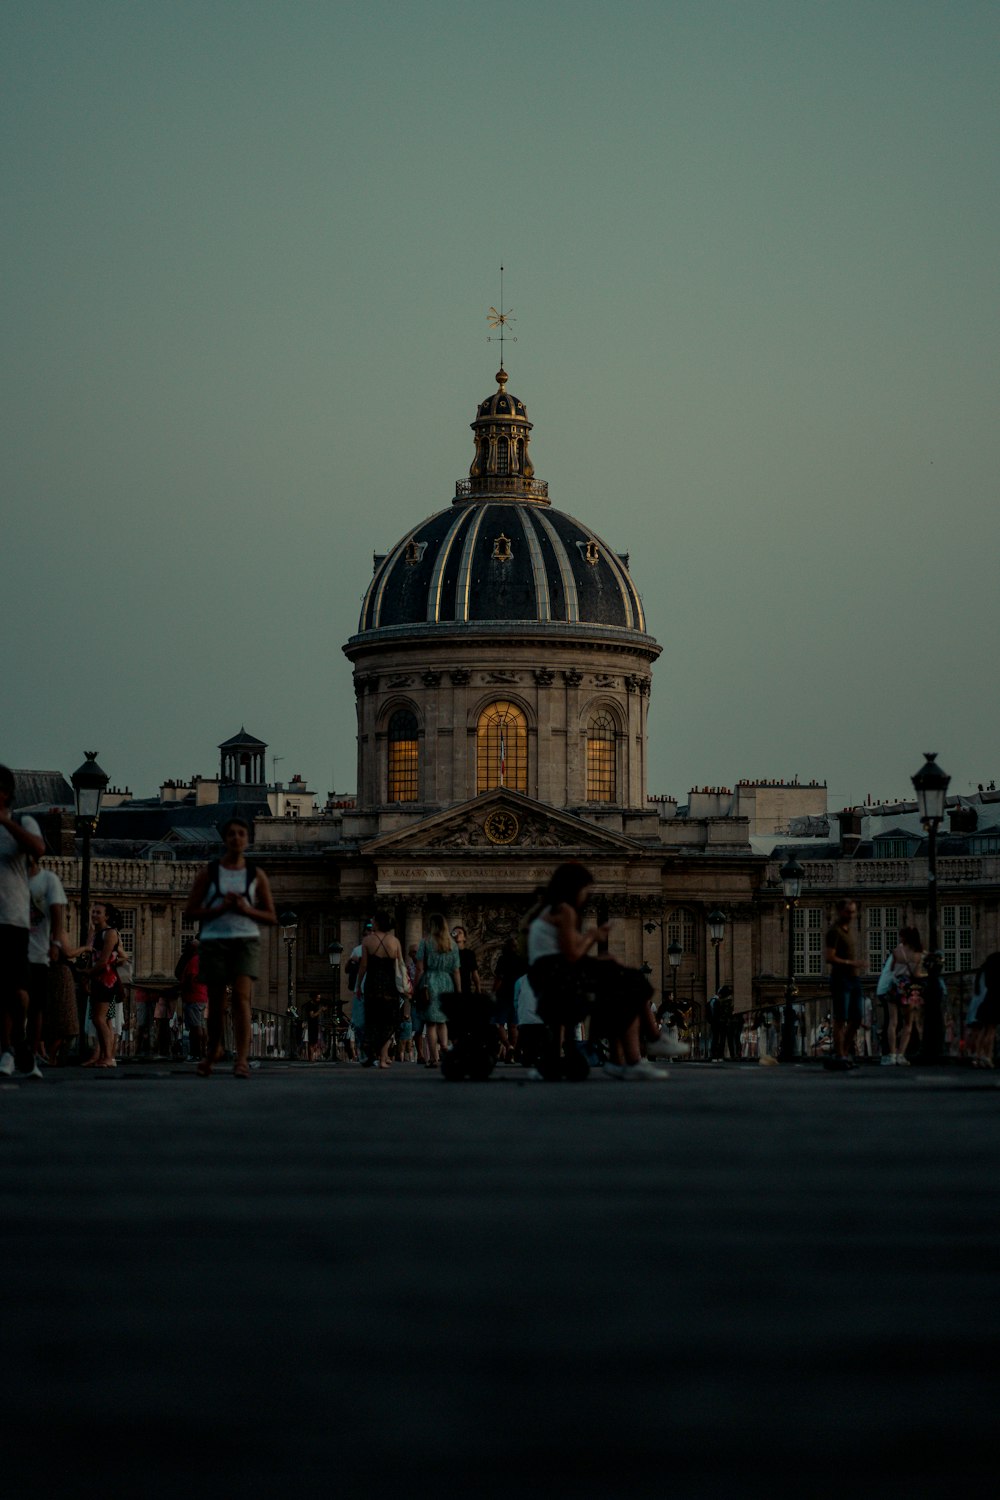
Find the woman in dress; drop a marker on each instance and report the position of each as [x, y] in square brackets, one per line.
[438, 974]
[379, 952]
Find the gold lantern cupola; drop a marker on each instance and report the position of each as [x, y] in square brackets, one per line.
[501, 464]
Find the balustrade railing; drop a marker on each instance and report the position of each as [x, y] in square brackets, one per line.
[502, 484]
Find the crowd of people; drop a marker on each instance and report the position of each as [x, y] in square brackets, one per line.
[556, 1001]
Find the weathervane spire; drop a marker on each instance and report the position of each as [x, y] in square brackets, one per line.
[501, 320]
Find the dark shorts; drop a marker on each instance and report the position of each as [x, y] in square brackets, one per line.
[847, 1000]
[224, 960]
[13, 961]
[194, 1015]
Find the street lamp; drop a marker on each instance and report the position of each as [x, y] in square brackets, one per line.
[931, 786]
[674, 954]
[88, 782]
[791, 884]
[289, 926]
[717, 932]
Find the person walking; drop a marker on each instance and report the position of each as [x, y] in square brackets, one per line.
[105, 986]
[194, 997]
[380, 951]
[510, 967]
[908, 972]
[720, 1015]
[439, 973]
[984, 1013]
[45, 950]
[232, 899]
[846, 995]
[20, 839]
[312, 1009]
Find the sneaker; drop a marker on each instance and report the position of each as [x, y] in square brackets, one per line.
[613, 1070]
[902, 1062]
[888, 1060]
[7, 1064]
[665, 1046]
[532, 1075]
[644, 1072]
[33, 1072]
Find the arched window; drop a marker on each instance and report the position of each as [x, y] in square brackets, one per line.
[503, 456]
[601, 770]
[502, 748]
[403, 757]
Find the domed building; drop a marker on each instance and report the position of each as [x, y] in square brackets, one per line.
[502, 644]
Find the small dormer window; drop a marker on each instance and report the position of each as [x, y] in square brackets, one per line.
[590, 552]
[414, 552]
[893, 848]
[501, 548]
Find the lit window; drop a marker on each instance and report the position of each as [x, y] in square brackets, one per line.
[502, 748]
[403, 757]
[601, 779]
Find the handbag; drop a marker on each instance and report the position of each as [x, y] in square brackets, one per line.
[403, 987]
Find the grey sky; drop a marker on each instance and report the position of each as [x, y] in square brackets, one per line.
[752, 253]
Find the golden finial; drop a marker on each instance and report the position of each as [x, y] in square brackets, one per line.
[501, 320]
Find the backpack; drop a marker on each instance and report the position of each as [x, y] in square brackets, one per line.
[213, 876]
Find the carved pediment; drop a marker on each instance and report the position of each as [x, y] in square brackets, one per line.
[502, 821]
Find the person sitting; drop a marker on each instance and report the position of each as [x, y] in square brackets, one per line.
[570, 984]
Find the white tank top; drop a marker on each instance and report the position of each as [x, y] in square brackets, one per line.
[230, 924]
[543, 938]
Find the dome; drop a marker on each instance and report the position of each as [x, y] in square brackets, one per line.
[501, 554]
[504, 561]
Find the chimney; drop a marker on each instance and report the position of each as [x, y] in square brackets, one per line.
[850, 832]
[963, 819]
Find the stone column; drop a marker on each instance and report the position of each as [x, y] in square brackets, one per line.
[550, 765]
[575, 782]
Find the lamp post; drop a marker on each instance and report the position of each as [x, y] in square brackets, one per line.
[335, 953]
[717, 932]
[89, 782]
[674, 954]
[289, 926]
[931, 786]
[791, 884]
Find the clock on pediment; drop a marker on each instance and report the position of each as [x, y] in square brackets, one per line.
[501, 826]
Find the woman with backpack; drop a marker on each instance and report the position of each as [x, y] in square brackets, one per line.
[232, 900]
[905, 997]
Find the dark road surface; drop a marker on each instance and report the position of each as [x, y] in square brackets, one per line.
[329, 1281]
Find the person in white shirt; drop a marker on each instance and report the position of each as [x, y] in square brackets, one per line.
[45, 945]
[20, 838]
[232, 899]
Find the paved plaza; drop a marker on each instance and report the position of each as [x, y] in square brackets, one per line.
[328, 1280]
